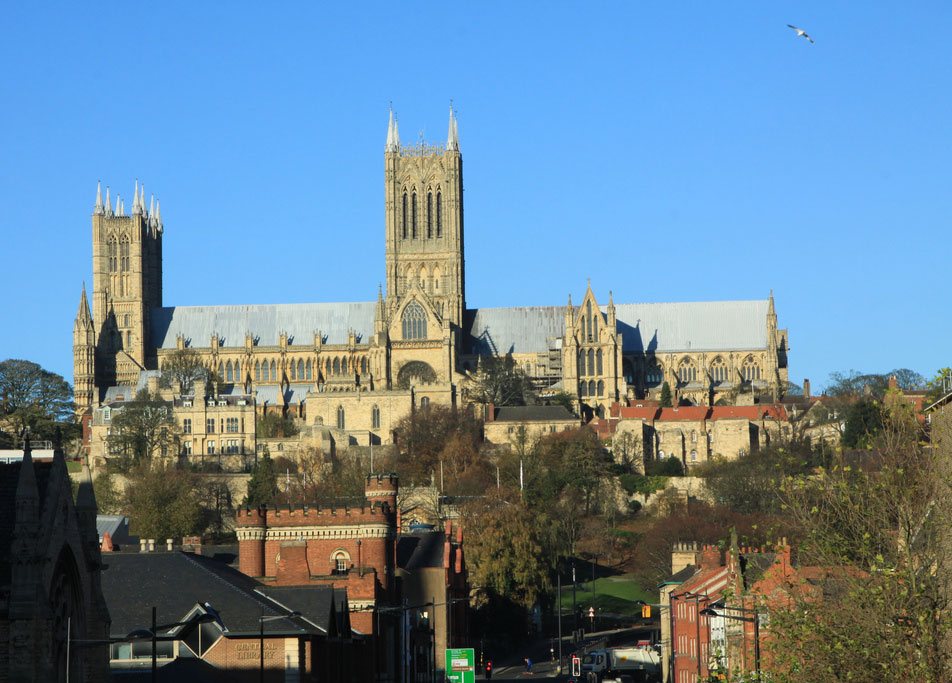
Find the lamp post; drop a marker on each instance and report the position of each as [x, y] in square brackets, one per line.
[755, 620]
[261, 621]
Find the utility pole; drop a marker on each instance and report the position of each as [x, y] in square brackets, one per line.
[574, 602]
[559, 574]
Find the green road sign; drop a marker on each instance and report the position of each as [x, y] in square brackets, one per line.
[461, 665]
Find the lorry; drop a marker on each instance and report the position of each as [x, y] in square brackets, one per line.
[642, 663]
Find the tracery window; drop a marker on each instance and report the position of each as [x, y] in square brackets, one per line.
[687, 372]
[124, 255]
[719, 371]
[112, 253]
[414, 321]
[751, 369]
[654, 375]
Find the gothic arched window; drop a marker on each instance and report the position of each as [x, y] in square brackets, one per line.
[598, 362]
[375, 418]
[307, 370]
[601, 388]
[404, 216]
[363, 365]
[237, 371]
[257, 371]
[654, 374]
[751, 369]
[413, 222]
[221, 370]
[582, 388]
[337, 366]
[124, 255]
[340, 417]
[112, 252]
[591, 388]
[439, 213]
[718, 371]
[687, 372]
[414, 321]
[229, 373]
[429, 215]
[274, 372]
[300, 372]
[591, 362]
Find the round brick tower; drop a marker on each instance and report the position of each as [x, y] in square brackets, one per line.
[251, 527]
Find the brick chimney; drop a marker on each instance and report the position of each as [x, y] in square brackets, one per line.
[106, 545]
[806, 388]
[710, 557]
[292, 565]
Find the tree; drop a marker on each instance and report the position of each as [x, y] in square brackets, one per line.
[263, 485]
[163, 502]
[876, 539]
[665, 400]
[506, 554]
[939, 385]
[863, 420]
[183, 366]
[36, 398]
[144, 428]
[500, 381]
[424, 437]
[109, 500]
[274, 425]
[564, 399]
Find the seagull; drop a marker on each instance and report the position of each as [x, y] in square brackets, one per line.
[801, 32]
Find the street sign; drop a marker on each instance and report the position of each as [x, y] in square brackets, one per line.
[591, 612]
[461, 665]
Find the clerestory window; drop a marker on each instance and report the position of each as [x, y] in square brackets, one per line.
[414, 321]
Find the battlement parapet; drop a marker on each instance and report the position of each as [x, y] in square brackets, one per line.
[375, 512]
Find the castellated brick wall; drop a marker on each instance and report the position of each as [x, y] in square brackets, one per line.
[349, 548]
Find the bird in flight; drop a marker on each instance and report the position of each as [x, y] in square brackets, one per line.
[801, 32]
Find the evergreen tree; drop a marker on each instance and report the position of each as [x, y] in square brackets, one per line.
[263, 485]
[666, 395]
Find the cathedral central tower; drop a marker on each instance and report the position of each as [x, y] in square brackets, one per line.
[424, 222]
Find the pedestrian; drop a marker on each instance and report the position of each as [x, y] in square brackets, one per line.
[528, 665]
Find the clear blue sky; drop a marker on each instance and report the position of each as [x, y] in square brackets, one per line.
[668, 151]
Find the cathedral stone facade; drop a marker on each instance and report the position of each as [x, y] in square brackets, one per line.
[357, 368]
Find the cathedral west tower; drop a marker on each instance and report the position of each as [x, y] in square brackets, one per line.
[127, 284]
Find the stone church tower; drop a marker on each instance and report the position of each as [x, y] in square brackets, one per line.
[127, 283]
[424, 223]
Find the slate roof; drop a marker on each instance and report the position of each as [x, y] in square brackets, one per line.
[420, 550]
[118, 528]
[175, 582]
[300, 321]
[660, 327]
[681, 576]
[9, 477]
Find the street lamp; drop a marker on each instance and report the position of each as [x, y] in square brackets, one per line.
[755, 620]
[261, 621]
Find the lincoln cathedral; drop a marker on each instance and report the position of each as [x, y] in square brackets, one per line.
[355, 369]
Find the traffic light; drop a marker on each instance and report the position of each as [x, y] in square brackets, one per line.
[576, 666]
[646, 611]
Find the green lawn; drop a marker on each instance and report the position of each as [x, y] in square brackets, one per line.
[612, 594]
[73, 466]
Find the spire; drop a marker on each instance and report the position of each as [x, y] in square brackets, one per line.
[380, 308]
[136, 209]
[452, 141]
[392, 142]
[118, 205]
[396, 134]
[142, 199]
[152, 208]
[108, 203]
[83, 316]
[770, 308]
[99, 210]
[158, 216]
